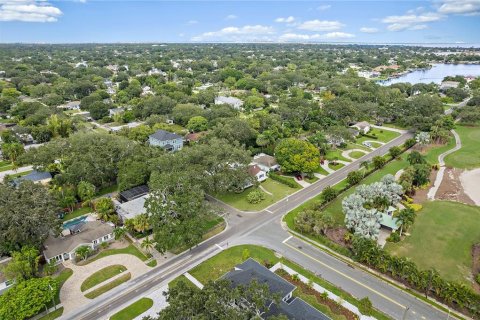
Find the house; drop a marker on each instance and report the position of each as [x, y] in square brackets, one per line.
[133, 193]
[383, 68]
[257, 173]
[131, 209]
[363, 127]
[292, 307]
[115, 111]
[231, 101]
[166, 140]
[266, 162]
[85, 233]
[449, 85]
[194, 136]
[5, 284]
[35, 176]
[354, 132]
[72, 105]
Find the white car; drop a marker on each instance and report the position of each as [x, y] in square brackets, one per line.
[367, 144]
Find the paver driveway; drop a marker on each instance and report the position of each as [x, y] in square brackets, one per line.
[72, 297]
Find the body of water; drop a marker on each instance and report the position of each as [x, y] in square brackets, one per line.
[436, 74]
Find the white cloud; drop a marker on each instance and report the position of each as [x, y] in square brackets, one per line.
[294, 37]
[28, 11]
[320, 25]
[368, 30]
[338, 35]
[289, 19]
[192, 22]
[324, 7]
[231, 17]
[238, 34]
[466, 7]
[411, 21]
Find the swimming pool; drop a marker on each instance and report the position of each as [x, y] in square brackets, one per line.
[70, 223]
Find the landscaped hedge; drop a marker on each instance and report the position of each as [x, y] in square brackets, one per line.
[286, 181]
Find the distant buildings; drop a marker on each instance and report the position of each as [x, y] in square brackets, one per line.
[231, 101]
[383, 68]
[449, 85]
[166, 140]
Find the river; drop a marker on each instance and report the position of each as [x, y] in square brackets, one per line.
[435, 74]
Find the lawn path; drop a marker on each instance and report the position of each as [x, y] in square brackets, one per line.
[441, 160]
[265, 190]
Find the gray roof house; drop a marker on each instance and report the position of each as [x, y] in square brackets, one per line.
[266, 162]
[166, 140]
[363, 126]
[85, 233]
[231, 101]
[131, 209]
[34, 176]
[293, 308]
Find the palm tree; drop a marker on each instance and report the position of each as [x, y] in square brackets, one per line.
[406, 218]
[119, 233]
[83, 252]
[365, 164]
[141, 223]
[147, 244]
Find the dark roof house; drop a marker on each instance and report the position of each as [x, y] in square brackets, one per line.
[166, 140]
[293, 308]
[34, 176]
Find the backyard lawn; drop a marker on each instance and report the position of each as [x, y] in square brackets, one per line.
[133, 310]
[382, 135]
[468, 157]
[77, 213]
[239, 200]
[101, 276]
[442, 238]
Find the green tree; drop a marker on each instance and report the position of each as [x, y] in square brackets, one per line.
[415, 157]
[148, 245]
[26, 299]
[296, 155]
[12, 151]
[24, 264]
[394, 152]
[197, 124]
[354, 177]
[119, 233]
[378, 162]
[328, 194]
[104, 208]
[28, 214]
[86, 191]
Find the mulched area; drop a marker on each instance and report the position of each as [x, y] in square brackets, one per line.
[337, 235]
[476, 265]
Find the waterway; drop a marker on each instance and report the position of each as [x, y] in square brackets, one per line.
[436, 74]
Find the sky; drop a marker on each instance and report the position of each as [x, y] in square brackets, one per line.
[105, 21]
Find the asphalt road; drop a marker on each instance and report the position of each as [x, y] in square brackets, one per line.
[264, 228]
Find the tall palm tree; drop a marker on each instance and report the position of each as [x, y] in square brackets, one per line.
[365, 164]
[119, 233]
[147, 244]
[406, 218]
[83, 252]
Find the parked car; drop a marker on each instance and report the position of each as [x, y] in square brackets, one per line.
[299, 177]
[367, 144]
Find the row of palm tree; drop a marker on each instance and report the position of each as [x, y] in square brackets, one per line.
[429, 282]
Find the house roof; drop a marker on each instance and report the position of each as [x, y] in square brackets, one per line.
[265, 159]
[194, 136]
[361, 125]
[228, 100]
[253, 170]
[133, 208]
[297, 309]
[250, 270]
[389, 221]
[163, 135]
[33, 176]
[90, 231]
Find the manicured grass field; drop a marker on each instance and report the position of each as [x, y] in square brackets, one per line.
[131, 249]
[333, 154]
[382, 135]
[336, 166]
[468, 157]
[5, 165]
[431, 153]
[77, 213]
[133, 310]
[53, 315]
[109, 286]
[239, 200]
[442, 238]
[101, 276]
[356, 154]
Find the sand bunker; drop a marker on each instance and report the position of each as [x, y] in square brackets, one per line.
[471, 184]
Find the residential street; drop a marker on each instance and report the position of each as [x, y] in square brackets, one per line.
[264, 228]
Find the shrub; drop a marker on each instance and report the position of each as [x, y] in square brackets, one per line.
[394, 237]
[284, 180]
[245, 254]
[365, 306]
[255, 196]
[415, 206]
[477, 278]
[267, 263]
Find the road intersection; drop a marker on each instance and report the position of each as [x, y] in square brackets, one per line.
[265, 228]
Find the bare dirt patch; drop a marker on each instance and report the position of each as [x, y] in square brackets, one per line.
[451, 188]
[337, 235]
[476, 265]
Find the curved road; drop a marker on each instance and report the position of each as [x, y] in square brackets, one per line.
[264, 228]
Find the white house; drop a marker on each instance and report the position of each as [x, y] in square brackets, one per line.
[257, 173]
[231, 101]
[4, 282]
[115, 111]
[266, 162]
[363, 126]
[85, 233]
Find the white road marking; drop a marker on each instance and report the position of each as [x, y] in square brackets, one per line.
[219, 246]
[268, 211]
[287, 239]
